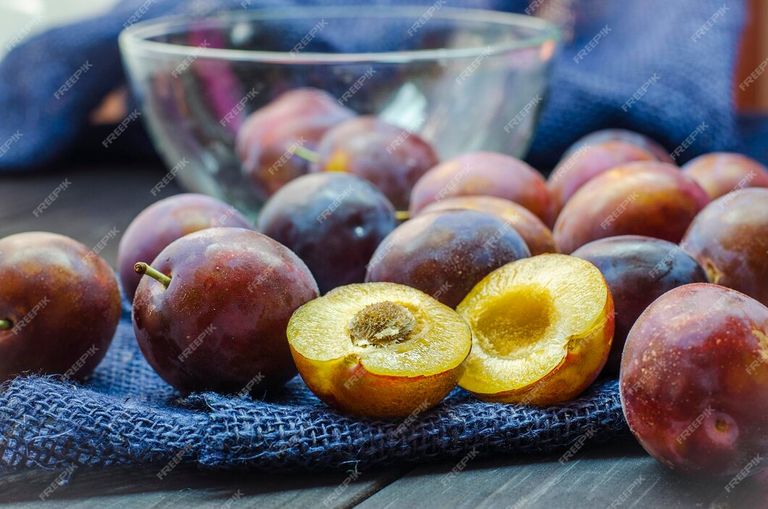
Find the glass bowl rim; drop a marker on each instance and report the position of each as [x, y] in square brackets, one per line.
[136, 36]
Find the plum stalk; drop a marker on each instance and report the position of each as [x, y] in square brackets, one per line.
[147, 270]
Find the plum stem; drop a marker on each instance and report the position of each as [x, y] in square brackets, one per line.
[306, 154]
[6, 324]
[402, 215]
[147, 270]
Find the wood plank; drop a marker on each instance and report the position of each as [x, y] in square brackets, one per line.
[188, 486]
[619, 476]
[91, 201]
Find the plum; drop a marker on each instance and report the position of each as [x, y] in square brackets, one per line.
[720, 173]
[388, 156]
[379, 350]
[541, 330]
[332, 221]
[212, 309]
[694, 380]
[650, 199]
[637, 139]
[729, 238]
[488, 174]
[59, 306]
[586, 163]
[444, 254]
[535, 233]
[271, 136]
[638, 270]
[165, 221]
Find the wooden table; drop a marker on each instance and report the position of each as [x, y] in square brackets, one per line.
[95, 201]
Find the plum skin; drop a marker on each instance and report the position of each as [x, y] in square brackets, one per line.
[388, 156]
[165, 221]
[651, 199]
[484, 173]
[638, 270]
[64, 302]
[445, 254]
[729, 238]
[694, 379]
[221, 322]
[332, 221]
[588, 162]
[535, 233]
[719, 173]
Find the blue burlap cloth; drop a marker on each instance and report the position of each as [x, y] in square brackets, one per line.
[125, 414]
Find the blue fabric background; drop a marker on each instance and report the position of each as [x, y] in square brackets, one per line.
[646, 37]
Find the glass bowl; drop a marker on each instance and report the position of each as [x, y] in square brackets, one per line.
[464, 80]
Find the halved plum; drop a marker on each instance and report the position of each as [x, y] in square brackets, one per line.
[542, 329]
[379, 350]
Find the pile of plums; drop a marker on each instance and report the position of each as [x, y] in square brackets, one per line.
[386, 277]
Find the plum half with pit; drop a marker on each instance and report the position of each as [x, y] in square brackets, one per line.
[379, 350]
[444, 254]
[638, 270]
[59, 306]
[694, 380]
[211, 310]
[272, 136]
[165, 221]
[389, 157]
[332, 221]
